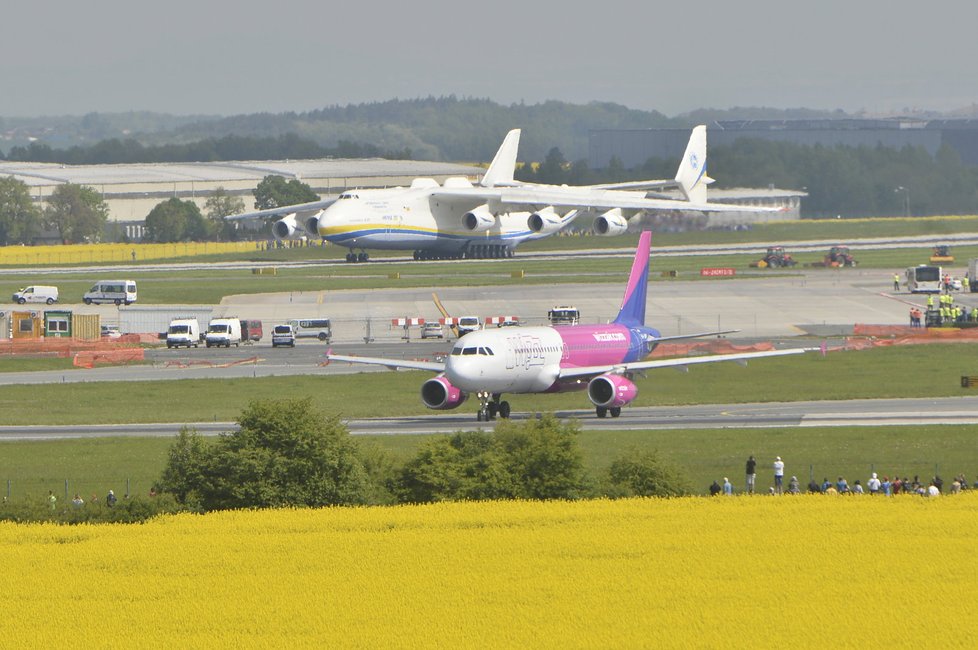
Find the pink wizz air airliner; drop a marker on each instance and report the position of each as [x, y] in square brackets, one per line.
[599, 358]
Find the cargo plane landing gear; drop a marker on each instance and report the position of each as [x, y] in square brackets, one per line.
[488, 251]
[362, 256]
[490, 406]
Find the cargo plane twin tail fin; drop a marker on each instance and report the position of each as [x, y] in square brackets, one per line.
[691, 176]
[500, 172]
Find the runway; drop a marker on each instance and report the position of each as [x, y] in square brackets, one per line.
[874, 412]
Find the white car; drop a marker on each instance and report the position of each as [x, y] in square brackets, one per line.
[110, 332]
[432, 331]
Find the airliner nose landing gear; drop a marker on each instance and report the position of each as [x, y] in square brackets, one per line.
[490, 406]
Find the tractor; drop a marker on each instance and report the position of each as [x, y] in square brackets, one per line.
[775, 258]
[942, 253]
[839, 256]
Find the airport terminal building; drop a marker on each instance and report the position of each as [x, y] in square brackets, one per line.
[132, 191]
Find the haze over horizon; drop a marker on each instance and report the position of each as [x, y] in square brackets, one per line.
[196, 58]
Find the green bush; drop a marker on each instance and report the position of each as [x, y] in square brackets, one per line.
[286, 453]
[534, 459]
[644, 473]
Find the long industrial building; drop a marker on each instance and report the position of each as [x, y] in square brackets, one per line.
[132, 191]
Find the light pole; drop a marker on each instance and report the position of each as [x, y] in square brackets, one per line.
[906, 199]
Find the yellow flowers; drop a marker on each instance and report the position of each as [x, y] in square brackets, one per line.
[77, 253]
[808, 571]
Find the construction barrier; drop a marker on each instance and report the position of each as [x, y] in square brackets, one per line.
[715, 346]
[65, 347]
[92, 358]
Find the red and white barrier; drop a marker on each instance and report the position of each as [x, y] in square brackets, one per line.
[500, 320]
[407, 322]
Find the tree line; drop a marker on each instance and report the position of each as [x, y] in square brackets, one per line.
[116, 151]
[840, 181]
[76, 213]
[286, 453]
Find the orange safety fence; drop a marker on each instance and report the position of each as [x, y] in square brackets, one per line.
[91, 358]
[63, 347]
[716, 346]
[211, 364]
[966, 333]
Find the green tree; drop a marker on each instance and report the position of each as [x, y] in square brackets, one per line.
[536, 459]
[553, 169]
[464, 466]
[644, 473]
[542, 458]
[219, 205]
[284, 454]
[184, 471]
[78, 212]
[19, 217]
[175, 220]
[275, 192]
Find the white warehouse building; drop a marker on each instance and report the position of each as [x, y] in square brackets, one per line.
[132, 191]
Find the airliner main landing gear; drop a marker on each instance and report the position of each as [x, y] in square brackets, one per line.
[602, 411]
[362, 256]
[490, 406]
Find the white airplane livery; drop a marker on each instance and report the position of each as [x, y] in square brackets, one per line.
[600, 359]
[459, 219]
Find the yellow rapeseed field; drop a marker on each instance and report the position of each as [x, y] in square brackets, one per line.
[805, 571]
[82, 253]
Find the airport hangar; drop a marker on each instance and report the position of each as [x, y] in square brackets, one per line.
[133, 190]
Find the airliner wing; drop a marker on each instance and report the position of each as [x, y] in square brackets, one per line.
[299, 210]
[621, 368]
[393, 364]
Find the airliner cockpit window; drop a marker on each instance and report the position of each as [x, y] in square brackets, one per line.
[468, 351]
[456, 351]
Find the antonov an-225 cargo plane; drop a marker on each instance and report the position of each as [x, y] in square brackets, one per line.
[599, 358]
[458, 220]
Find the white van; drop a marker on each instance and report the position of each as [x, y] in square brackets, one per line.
[121, 292]
[468, 324]
[184, 332]
[312, 328]
[37, 293]
[223, 331]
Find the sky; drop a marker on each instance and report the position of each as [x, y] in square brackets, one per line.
[198, 57]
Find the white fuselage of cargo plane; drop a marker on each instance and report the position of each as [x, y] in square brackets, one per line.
[415, 218]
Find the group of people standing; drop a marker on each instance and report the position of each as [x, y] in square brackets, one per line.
[874, 486]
